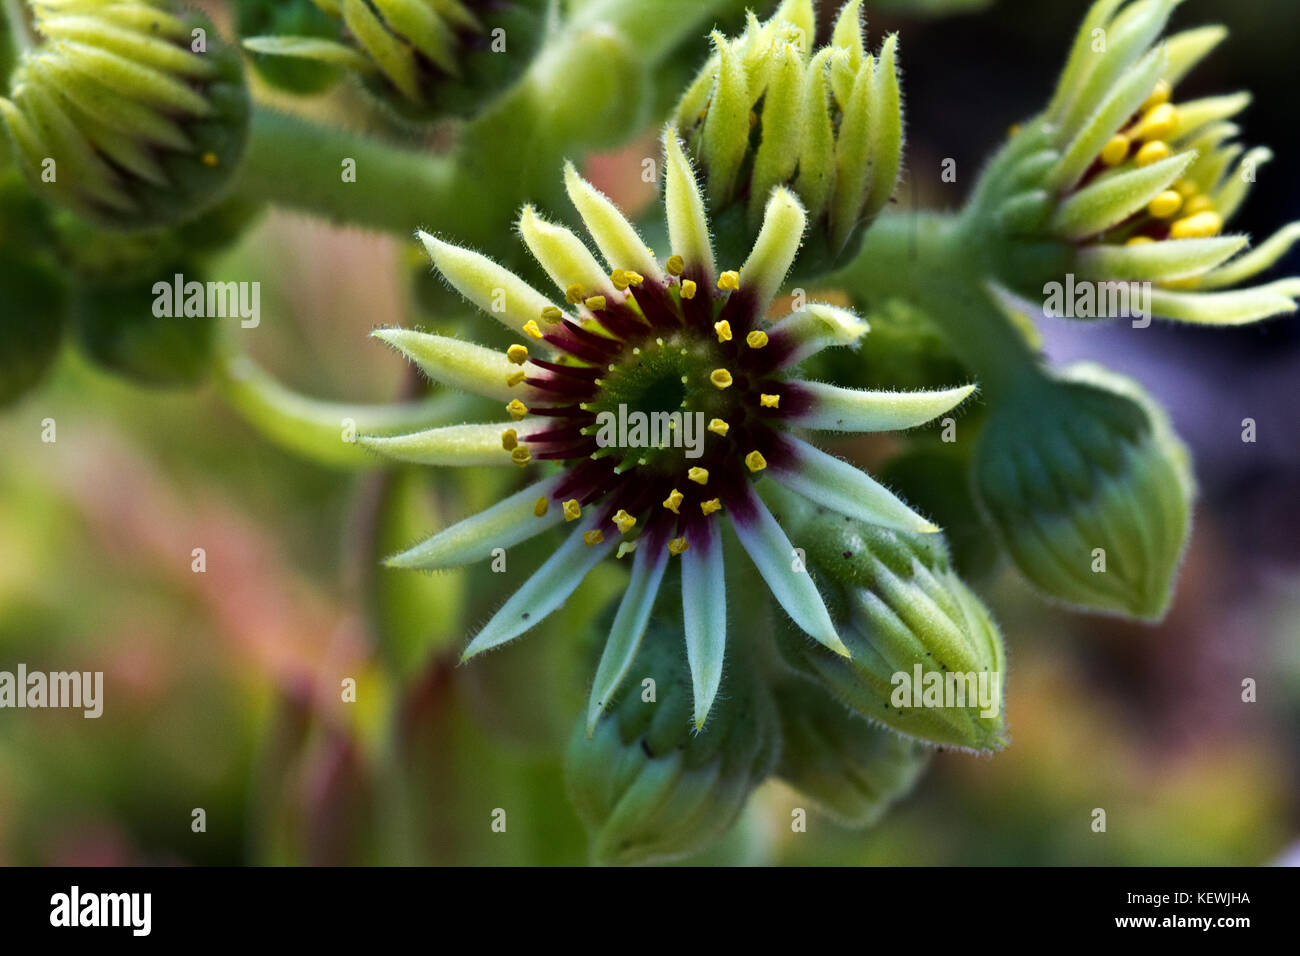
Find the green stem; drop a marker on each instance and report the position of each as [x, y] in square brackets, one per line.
[584, 90]
[926, 259]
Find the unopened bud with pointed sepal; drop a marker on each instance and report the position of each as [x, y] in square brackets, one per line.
[128, 114]
[925, 658]
[853, 770]
[648, 786]
[1090, 491]
[422, 58]
[768, 110]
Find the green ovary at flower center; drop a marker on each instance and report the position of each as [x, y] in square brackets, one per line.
[655, 404]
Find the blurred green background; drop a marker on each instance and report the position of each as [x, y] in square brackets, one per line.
[223, 688]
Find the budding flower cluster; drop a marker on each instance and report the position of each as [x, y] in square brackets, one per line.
[127, 114]
[766, 111]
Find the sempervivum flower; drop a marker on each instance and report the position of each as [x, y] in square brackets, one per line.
[646, 344]
[767, 110]
[1139, 183]
[128, 114]
[421, 57]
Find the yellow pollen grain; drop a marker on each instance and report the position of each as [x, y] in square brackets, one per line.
[1200, 226]
[619, 278]
[633, 278]
[710, 506]
[698, 475]
[509, 439]
[1165, 204]
[720, 377]
[594, 536]
[1197, 204]
[723, 329]
[572, 510]
[532, 329]
[755, 461]
[551, 314]
[624, 521]
[1160, 94]
[677, 546]
[729, 280]
[756, 339]
[719, 427]
[674, 501]
[210, 159]
[521, 456]
[541, 506]
[769, 401]
[688, 289]
[517, 409]
[1159, 122]
[515, 377]
[1115, 151]
[675, 265]
[1140, 241]
[518, 354]
[594, 302]
[1153, 152]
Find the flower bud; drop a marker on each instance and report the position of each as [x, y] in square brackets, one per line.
[767, 111]
[853, 770]
[289, 18]
[422, 58]
[647, 786]
[1090, 490]
[926, 659]
[126, 114]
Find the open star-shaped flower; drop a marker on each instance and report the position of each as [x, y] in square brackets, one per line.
[667, 343]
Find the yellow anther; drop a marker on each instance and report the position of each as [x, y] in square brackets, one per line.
[756, 339]
[633, 278]
[769, 401]
[1165, 204]
[675, 265]
[532, 329]
[710, 506]
[541, 506]
[594, 536]
[755, 461]
[625, 548]
[720, 377]
[688, 288]
[572, 510]
[719, 427]
[1200, 226]
[677, 546]
[674, 501]
[517, 409]
[573, 294]
[1197, 204]
[1153, 152]
[698, 475]
[729, 280]
[552, 314]
[515, 377]
[1115, 151]
[1160, 94]
[619, 278]
[594, 302]
[624, 521]
[518, 354]
[1186, 188]
[521, 456]
[1140, 241]
[723, 329]
[509, 439]
[1159, 122]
